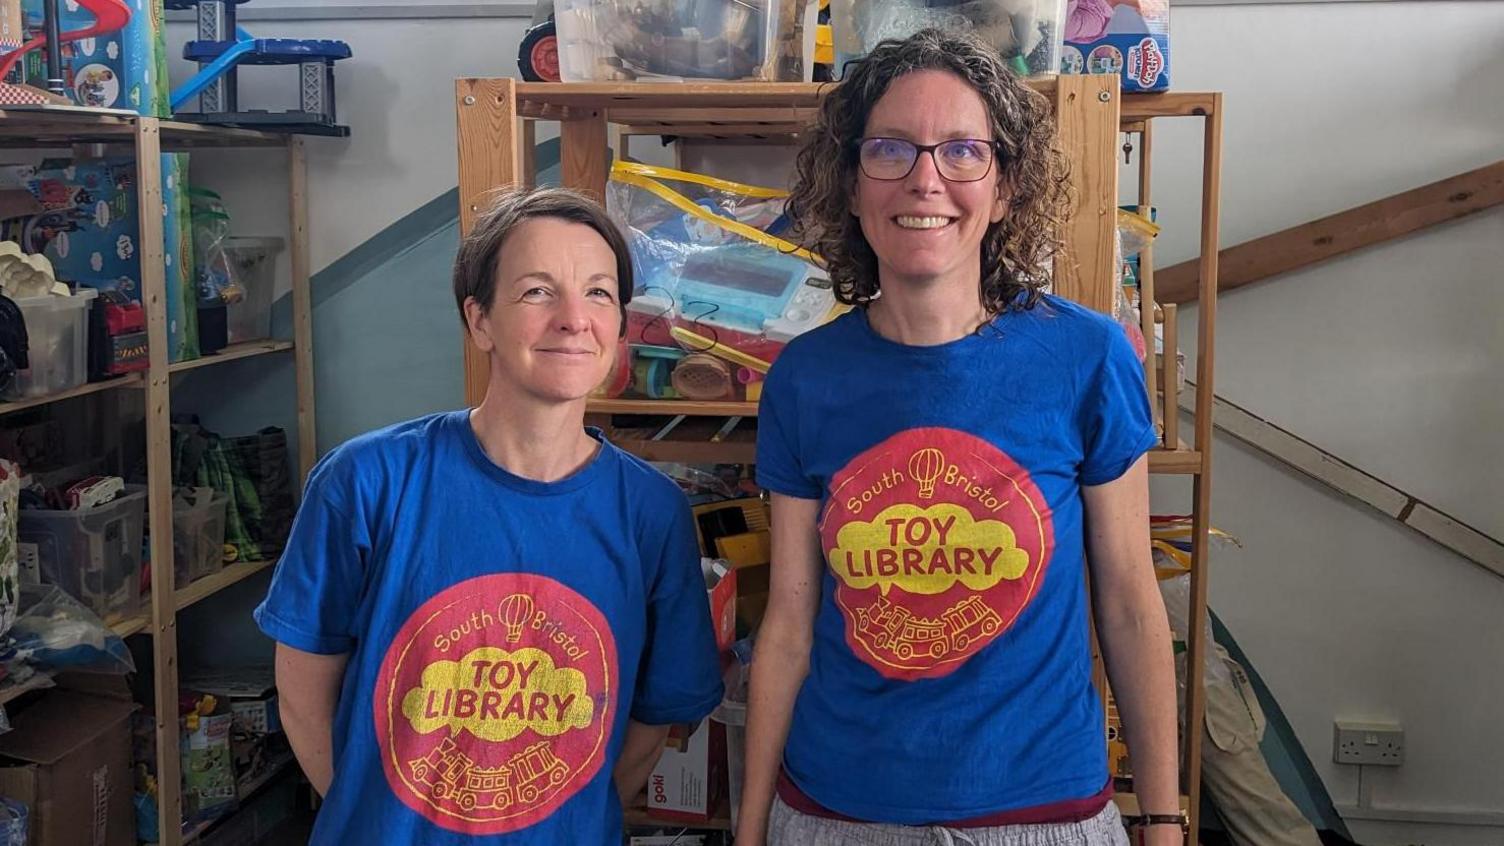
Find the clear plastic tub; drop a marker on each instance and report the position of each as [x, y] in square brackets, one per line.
[253, 261]
[1028, 33]
[198, 535]
[94, 554]
[607, 40]
[57, 335]
[733, 715]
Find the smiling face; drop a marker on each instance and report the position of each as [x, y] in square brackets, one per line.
[924, 228]
[552, 329]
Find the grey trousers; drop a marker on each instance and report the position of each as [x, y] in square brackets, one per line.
[788, 827]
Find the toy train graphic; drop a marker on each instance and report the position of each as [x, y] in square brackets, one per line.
[451, 775]
[894, 628]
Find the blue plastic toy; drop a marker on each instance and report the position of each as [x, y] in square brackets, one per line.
[222, 47]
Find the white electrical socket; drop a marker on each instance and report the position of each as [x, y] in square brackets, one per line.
[1368, 744]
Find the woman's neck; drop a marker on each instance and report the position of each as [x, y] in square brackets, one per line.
[922, 314]
[544, 442]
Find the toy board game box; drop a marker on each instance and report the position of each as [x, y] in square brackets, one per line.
[124, 69]
[1130, 38]
[90, 225]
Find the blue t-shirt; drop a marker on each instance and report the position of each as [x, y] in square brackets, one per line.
[500, 632]
[950, 676]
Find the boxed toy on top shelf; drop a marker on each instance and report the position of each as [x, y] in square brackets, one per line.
[86, 222]
[1130, 38]
[113, 54]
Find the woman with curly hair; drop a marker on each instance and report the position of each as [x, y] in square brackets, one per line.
[946, 462]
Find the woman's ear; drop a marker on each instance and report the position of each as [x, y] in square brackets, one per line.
[1001, 199]
[478, 321]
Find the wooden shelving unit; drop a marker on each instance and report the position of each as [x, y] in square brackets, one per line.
[146, 139]
[494, 142]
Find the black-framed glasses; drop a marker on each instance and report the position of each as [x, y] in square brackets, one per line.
[957, 160]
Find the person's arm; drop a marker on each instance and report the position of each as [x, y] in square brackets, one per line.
[307, 694]
[780, 660]
[640, 751]
[1135, 638]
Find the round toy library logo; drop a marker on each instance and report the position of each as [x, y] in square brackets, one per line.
[938, 541]
[495, 702]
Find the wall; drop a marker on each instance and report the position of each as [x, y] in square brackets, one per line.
[1389, 358]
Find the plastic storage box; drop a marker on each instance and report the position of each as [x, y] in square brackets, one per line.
[606, 40]
[198, 535]
[1028, 33]
[57, 330]
[254, 264]
[94, 554]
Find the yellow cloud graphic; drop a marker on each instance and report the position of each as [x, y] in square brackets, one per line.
[926, 550]
[495, 694]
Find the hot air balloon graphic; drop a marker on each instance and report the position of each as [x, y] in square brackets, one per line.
[515, 611]
[925, 466]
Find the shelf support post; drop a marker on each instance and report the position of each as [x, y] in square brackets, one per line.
[159, 479]
[486, 110]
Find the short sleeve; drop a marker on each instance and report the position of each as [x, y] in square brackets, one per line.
[679, 679]
[779, 466]
[318, 584]
[1116, 423]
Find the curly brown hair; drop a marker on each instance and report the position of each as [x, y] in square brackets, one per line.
[1016, 252]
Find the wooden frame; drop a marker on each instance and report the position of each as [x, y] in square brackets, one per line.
[1195, 460]
[148, 138]
[493, 114]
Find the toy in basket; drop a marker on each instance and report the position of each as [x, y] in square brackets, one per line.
[717, 292]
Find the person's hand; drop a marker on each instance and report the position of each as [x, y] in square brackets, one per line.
[748, 835]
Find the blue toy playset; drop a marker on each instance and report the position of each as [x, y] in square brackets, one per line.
[222, 47]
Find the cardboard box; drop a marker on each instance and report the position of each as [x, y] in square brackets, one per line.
[89, 228]
[1131, 40]
[208, 771]
[11, 34]
[124, 69]
[251, 692]
[688, 783]
[68, 757]
[722, 595]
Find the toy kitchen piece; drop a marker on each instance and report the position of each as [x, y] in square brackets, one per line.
[222, 47]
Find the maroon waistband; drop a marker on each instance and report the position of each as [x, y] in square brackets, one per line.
[1069, 811]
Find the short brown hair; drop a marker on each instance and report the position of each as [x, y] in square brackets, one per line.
[480, 251]
[1017, 251]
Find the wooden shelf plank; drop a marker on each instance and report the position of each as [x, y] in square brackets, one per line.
[36, 682]
[131, 625]
[231, 353]
[670, 408]
[85, 389]
[1168, 104]
[636, 102]
[210, 585]
[64, 126]
[196, 591]
[1181, 461]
